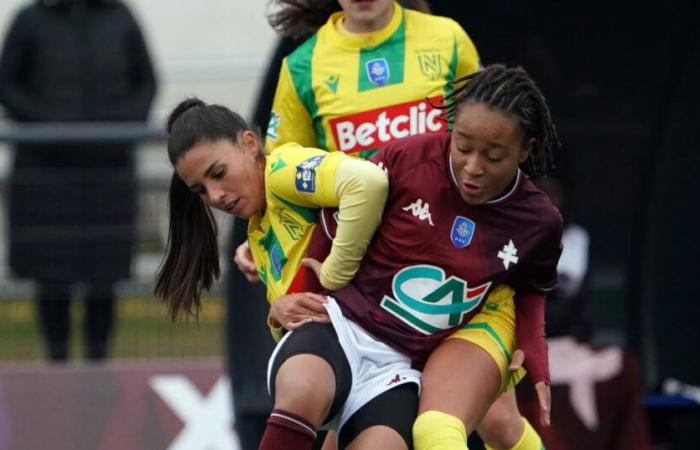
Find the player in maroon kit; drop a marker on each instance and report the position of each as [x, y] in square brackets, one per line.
[462, 220]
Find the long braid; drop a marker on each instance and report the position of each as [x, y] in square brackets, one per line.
[510, 90]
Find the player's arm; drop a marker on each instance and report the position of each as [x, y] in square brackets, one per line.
[313, 178]
[362, 189]
[540, 277]
[530, 333]
[290, 120]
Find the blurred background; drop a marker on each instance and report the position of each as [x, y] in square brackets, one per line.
[622, 82]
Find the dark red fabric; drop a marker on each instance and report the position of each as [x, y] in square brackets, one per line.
[529, 326]
[285, 431]
[429, 234]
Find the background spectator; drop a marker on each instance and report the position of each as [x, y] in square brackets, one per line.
[72, 206]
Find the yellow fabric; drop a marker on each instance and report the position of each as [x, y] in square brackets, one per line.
[436, 430]
[298, 181]
[493, 329]
[276, 330]
[362, 189]
[279, 238]
[529, 440]
[323, 84]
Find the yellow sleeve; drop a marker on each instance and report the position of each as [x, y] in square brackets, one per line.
[290, 121]
[303, 176]
[362, 189]
[467, 57]
[276, 330]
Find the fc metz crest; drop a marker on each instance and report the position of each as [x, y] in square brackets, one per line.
[462, 232]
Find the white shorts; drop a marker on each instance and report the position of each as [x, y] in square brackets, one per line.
[375, 367]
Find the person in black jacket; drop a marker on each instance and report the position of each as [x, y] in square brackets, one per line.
[72, 205]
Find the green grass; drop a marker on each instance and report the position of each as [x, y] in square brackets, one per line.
[143, 330]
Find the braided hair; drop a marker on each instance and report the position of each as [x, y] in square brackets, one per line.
[512, 91]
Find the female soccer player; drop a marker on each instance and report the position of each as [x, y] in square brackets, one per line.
[459, 205]
[361, 81]
[219, 164]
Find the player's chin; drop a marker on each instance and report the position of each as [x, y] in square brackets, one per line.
[473, 200]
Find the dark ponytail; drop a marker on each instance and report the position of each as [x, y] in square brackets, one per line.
[191, 262]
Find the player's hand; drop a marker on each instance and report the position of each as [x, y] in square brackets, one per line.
[516, 362]
[294, 310]
[244, 260]
[313, 265]
[544, 397]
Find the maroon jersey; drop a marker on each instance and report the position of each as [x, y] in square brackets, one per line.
[434, 259]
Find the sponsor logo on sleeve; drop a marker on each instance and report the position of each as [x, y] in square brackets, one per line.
[306, 174]
[377, 127]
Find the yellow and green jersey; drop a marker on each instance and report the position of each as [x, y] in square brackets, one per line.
[298, 181]
[358, 92]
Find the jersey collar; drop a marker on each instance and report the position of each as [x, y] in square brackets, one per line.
[362, 40]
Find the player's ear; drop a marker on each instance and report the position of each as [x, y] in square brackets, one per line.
[250, 143]
[526, 149]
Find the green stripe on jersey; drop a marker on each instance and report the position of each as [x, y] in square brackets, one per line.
[452, 69]
[299, 63]
[275, 253]
[391, 51]
[308, 214]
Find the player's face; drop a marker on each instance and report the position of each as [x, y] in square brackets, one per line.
[227, 176]
[486, 149]
[363, 16]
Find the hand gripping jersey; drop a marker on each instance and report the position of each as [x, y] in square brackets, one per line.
[297, 181]
[355, 93]
[435, 258]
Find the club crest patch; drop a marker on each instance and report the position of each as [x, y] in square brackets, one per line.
[378, 71]
[306, 174]
[462, 232]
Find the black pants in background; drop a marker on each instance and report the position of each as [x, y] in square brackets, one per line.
[53, 304]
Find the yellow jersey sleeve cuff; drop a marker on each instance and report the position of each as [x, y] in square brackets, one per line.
[276, 329]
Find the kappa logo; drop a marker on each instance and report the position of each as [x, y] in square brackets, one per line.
[420, 210]
[395, 379]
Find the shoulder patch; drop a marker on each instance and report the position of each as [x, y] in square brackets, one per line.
[306, 174]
